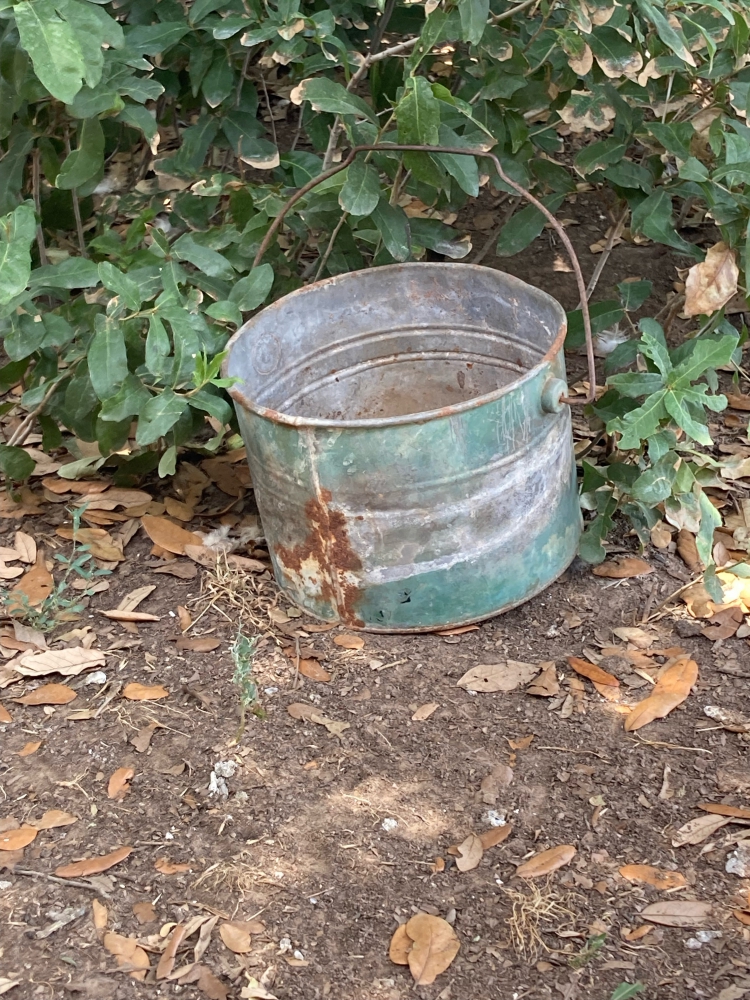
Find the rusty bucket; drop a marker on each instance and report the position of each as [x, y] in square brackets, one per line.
[411, 454]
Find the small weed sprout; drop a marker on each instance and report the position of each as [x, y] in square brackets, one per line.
[243, 653]
[57, 607]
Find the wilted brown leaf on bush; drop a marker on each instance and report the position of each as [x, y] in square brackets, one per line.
[93, 866]
[547, 861]
[672, 688]
[656, 877]
[119, 783]
[712, 283]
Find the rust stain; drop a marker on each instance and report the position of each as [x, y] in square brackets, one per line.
[327, 546]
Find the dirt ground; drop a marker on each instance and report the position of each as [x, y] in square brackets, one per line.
[320, 840]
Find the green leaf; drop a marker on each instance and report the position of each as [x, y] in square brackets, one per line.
[153, 39]
[15, 464]
[141, 118]
[635, 384]
[675, 137]
[53, 47]
[168, 462]
[672, 37]
[217, 406]
[615, 55]
[361, 191]
[599, 155]
[88, 28]
[326, 95]
[25, 336]
[75, 272]
[393, 226]
[225, 311]
[251, 291]
[205, 259]
[17, 232]
[710, 521]
[418, 114]
[158, 349]
[127, 402]
[158, 416]
[525, 226]
[218, 82]
[108, 362]
[654, 345]
[603, 315]
[474, 14]
[655, 484]
[634, 293]
[709, 352]
[653, 218]
[678, 410]
[590, 547]
[463, 168]
[85, 161]
[119, 283]
[640, 423]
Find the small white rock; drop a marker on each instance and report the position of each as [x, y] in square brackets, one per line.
[495, 818]
[389, 824]
[285, 945]
[97, 677]
[5, 885]
[298, 955]
[225, 768]
[738, 862]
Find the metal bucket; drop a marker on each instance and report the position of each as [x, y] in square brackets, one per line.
[411, 456]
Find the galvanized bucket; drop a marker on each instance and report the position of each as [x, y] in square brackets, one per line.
[410, 451]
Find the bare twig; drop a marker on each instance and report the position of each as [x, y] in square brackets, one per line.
[35, 180]
[615, 233]
[76, 204]
[380, 27]
[270, 109]
[243, 75]
[492, 238]
[63, 881]
[329, 248]
[518, 9]
[21, 432]
[459, 150]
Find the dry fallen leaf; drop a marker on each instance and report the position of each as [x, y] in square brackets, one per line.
[698, 830]
[182, 570]
[347, 641]
[656, 877]
[606, 684]
[492, 677]
[547, 861]
[48, 694]
[68, 662]
[687, 550]
[93, 866]
[99, 915]
[210, 984]
[672, 688]
[167, 535]
[623, 568]
[312, 669]
[116, 615]
[16, 840]
[119, 783]
[255, 991]
[635, 933]
[142, 739]
[546, 684]
[54, 818]
[712, 283]
[167, 867]
[130, 957]
[522, 743]
[495, 835]
[185, 618]
[737, 401]
[25, 547]
[400, 946]
[425, 711]
[29, 748]
[31, 589]
[198, 644]
[737, 812]
[99, 542]
[144, 911]
[309, 713]
[169, 955]
[434, 947]
[178, 509]
[470, 853]
[236, 937]
[678, 913]
[144, 692]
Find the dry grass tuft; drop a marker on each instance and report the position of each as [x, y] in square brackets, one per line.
[233, 875]
[239, 596]
[533, 910]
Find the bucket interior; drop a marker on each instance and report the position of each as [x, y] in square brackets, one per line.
[393, 341]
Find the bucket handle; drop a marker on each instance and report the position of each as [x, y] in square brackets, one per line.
[518, 188]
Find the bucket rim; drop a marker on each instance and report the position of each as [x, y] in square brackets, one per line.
[419, 417]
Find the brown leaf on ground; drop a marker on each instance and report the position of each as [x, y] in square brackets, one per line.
[425, 711]
[723, 624]
[495, 835]
[93, 866]
[167, 867]
[115, 497]
[236, 937]
[182, 570]
[434, 947]
[130, 957]
[546, 684]
[129, 616]
[347, 641]
[687, 550]
[144, 692]
[309, 713]
[131, 601]
[656, 877]
[400, 946]
[458, 630]
[672, 688]
[635, 933]
[712, 283]
[54, 818]
[521, 743]
[623, 568]
[698, 830]
[470, 853]
[119, 783]
[29, 748]
[142, 739]
[185, 618]
[100, 543]
[209, 984]
[16, 840]
[678, 913]
[501, 776]
[5, 716]
[99, 915]
[221, 473]
[313, 670]
[606, 684]
[737, 812]
[48, 694]
[491, 677]
[438, 865]
[737, 401]
[68, 662]
[25, 546]
[169, 955]
[32, 589]
[178, 509]
[547, 861]
[198, 644]
[168, 535]
[144, 911]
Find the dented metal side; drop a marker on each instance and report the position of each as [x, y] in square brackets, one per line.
[413, 522]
